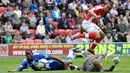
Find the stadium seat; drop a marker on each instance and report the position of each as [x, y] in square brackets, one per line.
[68, 31]
[23, 42]
[74, 31]
[14, 31]
[56, 31]
[55, 24]
[2, 9]
[32, 31]
[30, 41]
[61, 31]
[38, 41]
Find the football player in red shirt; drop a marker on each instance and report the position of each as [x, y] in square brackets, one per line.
[89, 25]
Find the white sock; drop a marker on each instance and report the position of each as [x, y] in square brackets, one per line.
[86, 36]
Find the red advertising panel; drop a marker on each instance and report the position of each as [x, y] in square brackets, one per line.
[52, 49]
[3, 50]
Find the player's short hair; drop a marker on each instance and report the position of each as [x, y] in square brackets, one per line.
[28, 52]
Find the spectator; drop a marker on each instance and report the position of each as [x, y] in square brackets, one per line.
[116, 38]
[80, 12]
[128, 37]
[59, 1]
[70, 11]
[5, 2]
[128, 27]
[16, 22]
[9, 12]
[55, 23]
[122, 27]
[49, 27]
[108, 28]
[122, 37]
[84, 5]
[108, 38]
[8, 38]
[2, 40]
[63, 22]
[113, 11]
[107, 19]
[40, 31]
[34, 6]
[56, 13]
[48, 18]
[41, 18]
[57, 39]
[19, 4]
[26, 5]
[48, 1]
[4, 18]
[40, 10]
[54, 3]
[24, 18]
[127, 18]
[33, 20]
[2, 31]
[97, 2]
[120, 9]
[42, 4]
[114, 25]
[68, 38]
[63, 5]
[73, 5]
[17, 38]
[80, 15]
[17, 11]
[24, 31]
[8, 26]
[127, 5]
[47, 39]
[62, 37]
[71, 22]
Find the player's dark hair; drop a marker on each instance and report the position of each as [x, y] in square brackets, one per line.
[28, 52]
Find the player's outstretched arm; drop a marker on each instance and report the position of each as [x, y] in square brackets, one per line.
[63, 64]
[15, 70]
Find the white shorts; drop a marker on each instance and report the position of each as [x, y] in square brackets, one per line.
[88, 26]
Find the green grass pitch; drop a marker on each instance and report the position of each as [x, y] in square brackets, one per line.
[12, 63]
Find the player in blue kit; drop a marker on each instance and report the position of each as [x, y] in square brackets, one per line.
[31, 60]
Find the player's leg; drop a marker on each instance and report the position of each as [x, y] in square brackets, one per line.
[99, 36]
[94, 32]
[71, 55]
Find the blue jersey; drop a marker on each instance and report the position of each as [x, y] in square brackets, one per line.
[33, 63]
[53, 64]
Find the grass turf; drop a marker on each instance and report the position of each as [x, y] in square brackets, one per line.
[12, 63]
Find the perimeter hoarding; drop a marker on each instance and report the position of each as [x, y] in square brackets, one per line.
[52, 49]
[4, 50]
[63, 49]
[114, 48]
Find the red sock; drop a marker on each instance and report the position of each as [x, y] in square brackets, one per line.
[92, 35]
[82, 36]
[92, 47]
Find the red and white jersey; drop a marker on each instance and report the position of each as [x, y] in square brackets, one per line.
[98, 9]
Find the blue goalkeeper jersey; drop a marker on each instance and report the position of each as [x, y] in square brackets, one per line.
[53, 64]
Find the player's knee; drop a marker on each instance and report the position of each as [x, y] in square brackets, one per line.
[103, 36]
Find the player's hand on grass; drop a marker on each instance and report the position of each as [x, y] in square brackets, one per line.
[65, 66]
[13, 70]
